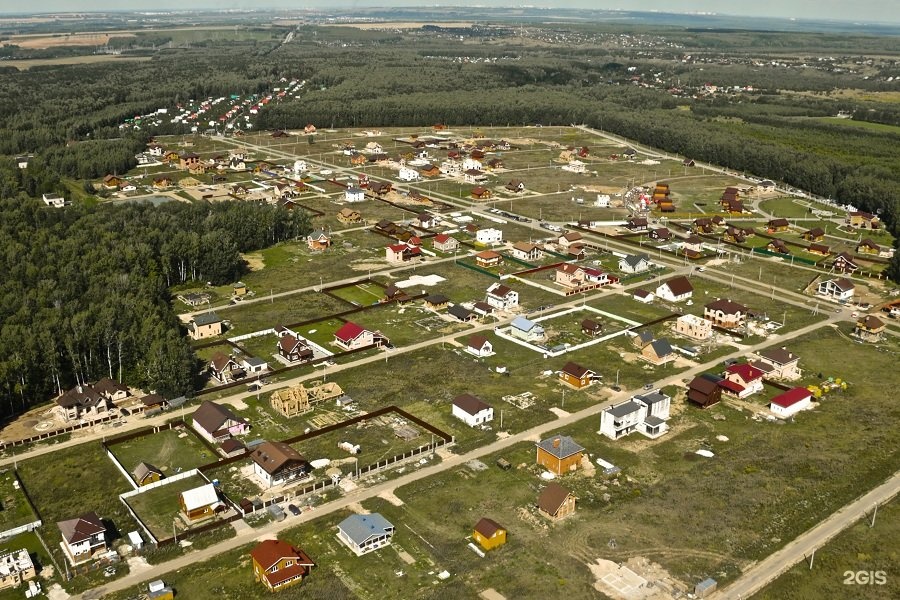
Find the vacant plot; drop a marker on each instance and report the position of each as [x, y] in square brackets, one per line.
[68, 39]
[25, 64]
[170, 450]
[159, 508]
[267, 314]
[364, 294]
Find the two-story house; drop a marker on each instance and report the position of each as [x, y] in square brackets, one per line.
[279, 565]
[83, 538]
[502, 297]
[647, 413]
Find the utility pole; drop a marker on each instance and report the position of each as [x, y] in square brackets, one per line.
[872, 524]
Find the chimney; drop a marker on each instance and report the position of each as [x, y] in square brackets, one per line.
[556, 443]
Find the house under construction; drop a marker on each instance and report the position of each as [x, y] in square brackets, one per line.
[299, 399]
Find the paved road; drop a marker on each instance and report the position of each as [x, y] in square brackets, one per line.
[766, 571]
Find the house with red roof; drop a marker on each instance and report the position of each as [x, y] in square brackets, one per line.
[744, 380]
[401, 253]
[352, 336]
[445, 243]
[279, 565]
[791, 402]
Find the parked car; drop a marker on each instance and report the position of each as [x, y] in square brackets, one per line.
[295, 510]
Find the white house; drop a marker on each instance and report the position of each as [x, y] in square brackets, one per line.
[351, 336]
[527, 251]
[527, 330]
[407, 174]
[275, 463]
[299, 167]
[643, 296]
[83, 538]
[646, 413]
[365, 533]
[54, 200]
[354, 194]
[471, 410]
[479, 346]
[791, 402]
[489, 235]
[502, 297]
[470, 164]
[677, 289]
[634, 263]
[841, 289]
[743, 380]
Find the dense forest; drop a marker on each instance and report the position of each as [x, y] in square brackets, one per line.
[85, 290]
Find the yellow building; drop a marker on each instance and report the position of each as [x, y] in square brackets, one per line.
[278, 565]
[489, 534]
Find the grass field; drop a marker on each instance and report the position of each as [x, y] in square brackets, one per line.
[15, 510]
[265, 314]
[789, 208]
[170, 450]
[859, 124]
[159, 507]
[364, 294]
[28, 63]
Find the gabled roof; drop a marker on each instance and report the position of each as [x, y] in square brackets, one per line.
[109, 386]
[211, 416]
[523, 324]
[746, 372]
[870, 322]
[477, 342]
[272, 457]
[82, 528]
[791, 397]
[778, 355]
[572, 236]
[569, 268]
[270, 552]
[220, 362]
[525, 247]
[661, 347]
[499, 290]
[815, 232]
[288, 343]
[727, 306]
[590, 324]
[679, 286]
[487, 527]
[206, 318]
[843, 284]
[81, 395]
[488, 255]
[361, 528]
[199, 497]
[437, 299]
[552, 498]
[778, 223]
[348, 332]
[575, 370]
[441, 238]
[560, 446]
[703, 385]
[460, 312]
[626, 408]
[144, 469]
[472, 405]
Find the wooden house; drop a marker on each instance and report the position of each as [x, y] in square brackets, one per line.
[576, 376]
[559, 454]
[489, 534]
[278, 565]
[556, 502]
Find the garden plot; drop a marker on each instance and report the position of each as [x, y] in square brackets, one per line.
[160, 508]
[170, 450]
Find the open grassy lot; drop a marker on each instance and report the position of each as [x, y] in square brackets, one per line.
[787, 207]
[16, 510]
[859, 548]
[629, 308]
[364, 294]
[266, 314]
[159, 507]
[406, 324]
[170, 450]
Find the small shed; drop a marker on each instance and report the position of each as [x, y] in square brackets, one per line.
[134, 538]
[705, 587]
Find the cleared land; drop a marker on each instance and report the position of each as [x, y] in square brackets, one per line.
[159, 507]
[170, 450]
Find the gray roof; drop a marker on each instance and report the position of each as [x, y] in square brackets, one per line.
[360, 528]
[645, 336]
[523, 324]
[460, 312]
[651, 398]
[662, 347]
[626, 408]
[566, 447]
[653, 420]
[206, 318]
[634, 260]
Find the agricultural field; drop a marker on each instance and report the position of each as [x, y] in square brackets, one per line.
[170, 450]
[159, 508]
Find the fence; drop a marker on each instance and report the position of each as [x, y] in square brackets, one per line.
[21, 529]
[477, 269]
[247, 336]
[56, 432]
[789, 257]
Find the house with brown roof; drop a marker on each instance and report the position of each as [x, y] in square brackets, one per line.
[704, 391]
[844, 263]
[636, 224]
[591, 327]
[559, 454]
[677, 289]
[568, 239]
[862, 220]
[145, 474]
[569, 275]
[867, 246]
[82, 402]
[479, 346]
[489, 534]
[445, 243]
[215, 422]
[472, 410]
[294, 349]
[725, 313]
[224, 368]
[279, 565]
[869, 328]
[820, 249]
[188, 160]
[501, 296]
[437, 301]
[488, 259]
[480, 193]
[702, 225]
[276, 463]
[515, 186]
[816, 234]
[776, 225]
[526, 251]
[556, 502]
[348, 215]
[576, 376]
[840, 289]
[83, 538]
[734, 206]
[661, 234]
[778, 363]
[778, 246]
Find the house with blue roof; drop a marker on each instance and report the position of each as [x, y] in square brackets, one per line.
[365, 533]
[527, 330]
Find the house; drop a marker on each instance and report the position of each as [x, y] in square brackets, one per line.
[111, 389]
[471, 410]
[693, 243]
[276, 463]
[643, 296]
[82, 402]
[365, 533]
[704, 390]
[661, 234]
[224, 368]
[527, 252]
[559, 454]
[279, 565]
[568, 239]
[348, 215]
[569, 275]
[820, 249]
[200, 502]
[556, 502]
[162, 182]
[735, 235]
[479, 346]
[318, 240]
[776, 225]
[867, 246]
[488, 259]
[445, 243]
[658, 352]
[112, 182]
[354, 194]
[646, 413]
[294, 349]
[351, 336]
[688, 162]
[471, 164]
[526, 330]
[862, 220]
[436, 301]
[408, 174]
[636, 224]
[461, 313]
[844, 263]
[791, 402]
[703, 225]
[480, 193]
[83, 538]
[392, 293]
[483, 308]
[154, 401]
[639, 339]
[733, 206]
[489, 235]
[16, 567]
[746, 378]
[634, 263]
[489, 534]
[779, 363]
[816, 234]
[778, 246]
[429, 170]
[869, 328]
[145, 474]
[592, 275]
[575, 251]
[591, 327]
[766, 185]
[188, 160]
[425, 220]
[231, 447]
[401, 253]
[725, 313]
[515, 186]
[677, 289]
[215, 422]
[576, 375]
[204, 326]
[840, 289]
[380, 188]
[694, 327]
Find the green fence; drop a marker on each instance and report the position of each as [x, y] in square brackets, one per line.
[478, 269]
[789, 257]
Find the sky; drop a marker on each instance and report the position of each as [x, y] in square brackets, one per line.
[843, 10]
